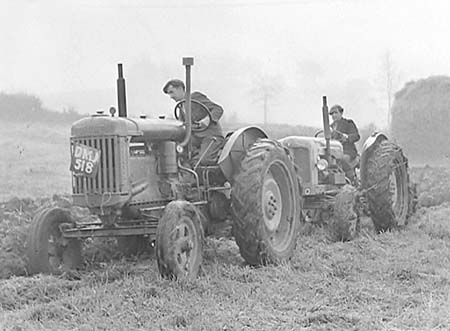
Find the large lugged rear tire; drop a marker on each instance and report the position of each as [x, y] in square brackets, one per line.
[266, 205]
[179, 241]
[48, 251]
[387, 183]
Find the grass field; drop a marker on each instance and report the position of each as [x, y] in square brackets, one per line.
[390, 281]
[34, 160]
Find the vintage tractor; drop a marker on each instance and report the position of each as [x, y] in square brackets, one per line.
[134, 175]
[381, 192]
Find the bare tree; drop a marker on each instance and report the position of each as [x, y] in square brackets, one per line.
[391, 79]
[265, 89]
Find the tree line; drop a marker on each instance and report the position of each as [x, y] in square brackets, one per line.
[420, 118]
[22, 107]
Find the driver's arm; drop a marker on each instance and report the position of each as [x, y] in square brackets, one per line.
[215, 109]
[353, 134]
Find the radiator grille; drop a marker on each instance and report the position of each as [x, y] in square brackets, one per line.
[301, 155]
[108, 175]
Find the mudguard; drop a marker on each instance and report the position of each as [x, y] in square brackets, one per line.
[367, 147]
[235, 148]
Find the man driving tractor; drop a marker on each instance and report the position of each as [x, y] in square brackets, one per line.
[207, 137]
[345, 131]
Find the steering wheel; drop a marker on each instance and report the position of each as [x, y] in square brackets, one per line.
[178, 109]
[321, 132]
[318, 133]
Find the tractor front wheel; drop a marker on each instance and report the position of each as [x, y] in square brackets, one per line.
[48, 251]
[266, 205]
[344, 223]
[179, 241]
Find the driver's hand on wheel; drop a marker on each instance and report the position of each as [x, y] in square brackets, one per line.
[334, 135]
[202, 123]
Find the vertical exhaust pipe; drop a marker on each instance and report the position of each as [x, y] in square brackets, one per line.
[188, 62]
[121, 93]
[326, 129]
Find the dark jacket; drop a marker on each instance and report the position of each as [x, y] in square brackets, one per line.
[198, 113]
[348, 127]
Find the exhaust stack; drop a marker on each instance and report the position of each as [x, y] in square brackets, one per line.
[121, 93]
[188, 62]
[326, 129]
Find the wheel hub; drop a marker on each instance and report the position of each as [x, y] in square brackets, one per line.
[55, 250]
[272, 203]
[184, 244]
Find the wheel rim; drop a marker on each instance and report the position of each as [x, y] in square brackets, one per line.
[278, 205]
[185, 244]
[393, 190]
[396, 190]
[55, 248]
[272, 203]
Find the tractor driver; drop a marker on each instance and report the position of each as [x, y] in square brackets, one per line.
[345, 131]
[206, 143]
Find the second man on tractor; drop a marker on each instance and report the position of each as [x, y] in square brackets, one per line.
[345, 131]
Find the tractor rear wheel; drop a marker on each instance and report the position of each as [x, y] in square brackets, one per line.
[179, 241]
[266, 205]
[387, 183]
[48, 251]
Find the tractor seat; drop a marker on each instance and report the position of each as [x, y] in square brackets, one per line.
[210, 174]
[212, 160]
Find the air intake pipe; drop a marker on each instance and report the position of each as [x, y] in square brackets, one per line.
[121, 94]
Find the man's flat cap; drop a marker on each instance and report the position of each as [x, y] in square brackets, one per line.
[336, 108]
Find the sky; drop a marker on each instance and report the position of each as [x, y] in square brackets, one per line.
[66, 52]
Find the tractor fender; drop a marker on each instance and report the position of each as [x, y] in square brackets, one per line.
[235, 148]
[370, 142]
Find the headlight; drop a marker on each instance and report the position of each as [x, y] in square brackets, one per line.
[179, 149]
[322, 164]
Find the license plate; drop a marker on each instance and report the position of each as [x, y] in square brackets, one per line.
[85, 160]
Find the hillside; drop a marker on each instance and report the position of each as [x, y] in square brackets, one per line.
[25, 108]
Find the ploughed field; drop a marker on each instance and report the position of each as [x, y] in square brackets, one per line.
[391, 281]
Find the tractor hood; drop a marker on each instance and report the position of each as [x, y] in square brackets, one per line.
[147, 128]
[310, 142]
